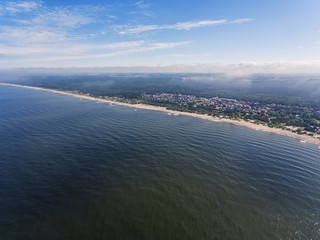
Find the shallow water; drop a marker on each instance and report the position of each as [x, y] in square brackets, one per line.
[79, 169]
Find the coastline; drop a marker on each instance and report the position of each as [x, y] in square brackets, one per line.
[304, 138]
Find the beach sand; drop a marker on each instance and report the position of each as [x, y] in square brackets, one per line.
[303, 138]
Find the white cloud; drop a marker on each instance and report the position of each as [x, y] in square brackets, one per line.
[144, 48]
[181, 26]
[32, 34]
[23, 6]
[63, 17]
[22, 50]
[52, 35]
[147, 47]
[245, 68]
[236, 69]
[157, 46]
[139, 29]
[189, 25]
[142, 4]
[49, 26]
[55, 55]
[242, 20]
[85, 48]
[121, 45]
[64, 48]
[231, 70]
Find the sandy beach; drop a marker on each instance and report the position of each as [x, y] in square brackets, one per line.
[303, 138]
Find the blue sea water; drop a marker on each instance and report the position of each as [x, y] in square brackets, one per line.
[77, 169]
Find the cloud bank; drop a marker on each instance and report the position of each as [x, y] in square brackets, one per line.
[232, 70]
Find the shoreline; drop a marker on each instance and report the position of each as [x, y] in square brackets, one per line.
[303, 138]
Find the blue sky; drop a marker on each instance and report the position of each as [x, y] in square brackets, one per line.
[270, 34]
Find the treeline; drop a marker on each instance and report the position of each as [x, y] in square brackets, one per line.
[262, 89]
[133, 86]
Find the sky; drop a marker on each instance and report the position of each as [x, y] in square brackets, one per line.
[188, 35]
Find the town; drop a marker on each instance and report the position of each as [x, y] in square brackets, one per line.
[303, 120]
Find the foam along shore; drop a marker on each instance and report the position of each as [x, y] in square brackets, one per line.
[303, 138]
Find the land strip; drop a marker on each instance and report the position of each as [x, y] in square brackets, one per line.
[303, 138]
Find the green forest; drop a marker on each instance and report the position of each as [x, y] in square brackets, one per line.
[297, 97]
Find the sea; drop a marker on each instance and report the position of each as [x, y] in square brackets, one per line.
[73, 168]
